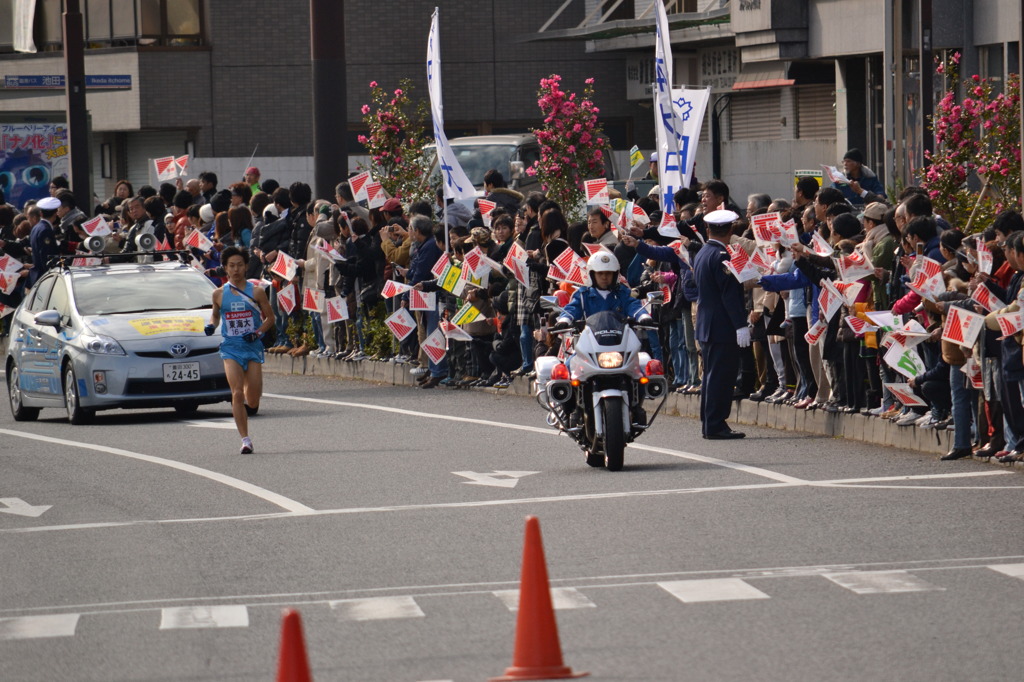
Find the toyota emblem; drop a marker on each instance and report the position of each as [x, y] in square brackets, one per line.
[179, 350]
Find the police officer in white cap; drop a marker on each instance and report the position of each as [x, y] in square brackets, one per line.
[721, 326]
[43, 239]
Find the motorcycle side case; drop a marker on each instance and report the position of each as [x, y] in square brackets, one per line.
[543, 366]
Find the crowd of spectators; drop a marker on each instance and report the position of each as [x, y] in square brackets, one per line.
[803, 354]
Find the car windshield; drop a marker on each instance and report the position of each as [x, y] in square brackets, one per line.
[112, 292]
[477, 159]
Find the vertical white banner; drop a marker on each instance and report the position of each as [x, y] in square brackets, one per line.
[24, 16]
[456, 184]
[679, 114]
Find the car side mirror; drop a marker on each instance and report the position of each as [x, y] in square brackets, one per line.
[550, 303]
[656, 297]
[48, 318]
[517, 169]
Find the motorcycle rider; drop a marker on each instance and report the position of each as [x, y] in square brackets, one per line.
[604, 293]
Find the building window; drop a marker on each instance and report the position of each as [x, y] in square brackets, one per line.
[816, 112]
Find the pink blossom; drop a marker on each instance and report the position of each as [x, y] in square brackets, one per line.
[589, 81]
[398, 92]
[366, 109]
[373, 84]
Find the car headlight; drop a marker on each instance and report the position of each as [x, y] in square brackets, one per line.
[101, 345]
[609, 360]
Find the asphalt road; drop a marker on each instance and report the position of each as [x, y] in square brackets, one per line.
[393, 520]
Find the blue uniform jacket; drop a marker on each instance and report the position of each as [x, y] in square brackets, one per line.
[665, 254]
[44, 247]
[586, 301]
[720, 305]
[795, 279]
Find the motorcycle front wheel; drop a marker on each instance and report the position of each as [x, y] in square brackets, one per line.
[614, 436]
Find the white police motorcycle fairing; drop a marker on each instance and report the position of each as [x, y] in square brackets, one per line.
[596, 394]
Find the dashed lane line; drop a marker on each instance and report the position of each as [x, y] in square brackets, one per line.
[230, 481]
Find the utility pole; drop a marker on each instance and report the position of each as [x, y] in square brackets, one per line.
[330, 101]
[927, 75]
[74, 84]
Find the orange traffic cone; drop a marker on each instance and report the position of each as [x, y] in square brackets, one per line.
[538, 654]
[292, 666]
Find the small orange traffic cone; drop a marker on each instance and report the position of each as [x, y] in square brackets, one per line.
[538, 654]
[293, 665]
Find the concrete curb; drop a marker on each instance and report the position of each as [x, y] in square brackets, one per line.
[854, 427]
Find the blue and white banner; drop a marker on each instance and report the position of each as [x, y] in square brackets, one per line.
[679, 114]
[456, 184]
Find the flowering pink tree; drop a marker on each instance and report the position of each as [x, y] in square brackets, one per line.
[397, 135]
[571, 142]
[976, 137]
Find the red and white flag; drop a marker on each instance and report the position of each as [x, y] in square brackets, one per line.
[1010, 323]
[984, 257]
[790, 234]
[767, 228]
[486, 208]
[472, 260]
[401, 323]
[739, 264]
[819, 245]
[853, 267]
[375, 195]
[8, 281]
[905, 394]
[519, 270]
[453, 331]
[972, 369]
[849, 290]
[830, 300]
[182, 163]
[962, 326]
[358, 185]
[859, 326]
[816, 333]
[286, 299]
[97, 227]
[762, 261]
[313, 300]
[594, 248]
[668, 227]
[6, 310]
[324, 247]
[987, 299]
[681, 251]
[165, 168]
[640, 216]
[597, 191]
[393, 288]
[284, 267]
[422, 300]
[337, 309]
[439, 267]
[435, 346]
[9, 264]
[197, 240]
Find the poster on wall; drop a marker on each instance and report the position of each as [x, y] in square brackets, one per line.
[32, 154]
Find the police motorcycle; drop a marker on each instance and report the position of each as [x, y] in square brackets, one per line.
[595, 395]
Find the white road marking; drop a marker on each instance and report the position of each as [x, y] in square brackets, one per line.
[189, 617]
[496, 479]
[377, 608]
[562, 599]
[225, 423]
[596, 582]
[516, 501]
[881, 582]
[230, 481]
[714, 589]
[1012, 570]
[19, 507]
[36, 627]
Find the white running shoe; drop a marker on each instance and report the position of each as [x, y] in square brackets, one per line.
[247, 448]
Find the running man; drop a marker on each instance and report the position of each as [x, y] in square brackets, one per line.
[247, 316]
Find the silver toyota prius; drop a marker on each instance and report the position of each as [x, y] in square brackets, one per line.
[114, 336]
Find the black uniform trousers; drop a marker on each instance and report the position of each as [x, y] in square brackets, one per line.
[721, 363]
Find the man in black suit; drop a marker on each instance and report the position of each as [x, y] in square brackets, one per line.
[721, 326]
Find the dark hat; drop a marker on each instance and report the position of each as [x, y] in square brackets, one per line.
[392, 205]
[854, 155]
[846, 225]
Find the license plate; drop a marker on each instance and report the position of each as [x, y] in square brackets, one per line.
[181, 371]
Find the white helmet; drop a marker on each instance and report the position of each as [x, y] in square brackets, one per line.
[602, 261]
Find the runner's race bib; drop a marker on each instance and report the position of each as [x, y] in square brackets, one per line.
[239, 323]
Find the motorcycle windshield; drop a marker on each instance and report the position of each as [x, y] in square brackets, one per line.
[607, 327]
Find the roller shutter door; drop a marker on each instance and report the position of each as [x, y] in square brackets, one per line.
[816, 114]
[755, 116]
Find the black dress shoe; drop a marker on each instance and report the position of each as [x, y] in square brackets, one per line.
[432, 382]
[758, 396]
[726, 435]
[956, 453]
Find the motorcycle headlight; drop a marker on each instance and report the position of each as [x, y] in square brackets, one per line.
[101, 345]
[609, 360]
